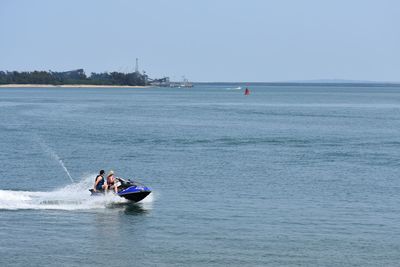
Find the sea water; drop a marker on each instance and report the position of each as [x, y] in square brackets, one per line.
[287, 176]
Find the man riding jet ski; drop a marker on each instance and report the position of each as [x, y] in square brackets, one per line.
[125, 188]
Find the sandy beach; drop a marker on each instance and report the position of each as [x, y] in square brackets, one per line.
[68, 86]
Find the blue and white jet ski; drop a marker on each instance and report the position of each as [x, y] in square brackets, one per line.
[128, 189]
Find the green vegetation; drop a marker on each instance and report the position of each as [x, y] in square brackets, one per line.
[72, 77]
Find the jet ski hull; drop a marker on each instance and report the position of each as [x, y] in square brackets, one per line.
[135, 197]
[135, 192]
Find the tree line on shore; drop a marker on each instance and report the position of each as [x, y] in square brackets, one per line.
[72, 77]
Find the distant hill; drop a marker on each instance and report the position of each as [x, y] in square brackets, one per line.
[333, 82]
[340, 81]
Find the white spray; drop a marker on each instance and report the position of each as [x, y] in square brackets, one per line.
[54, 155]
[63, 166]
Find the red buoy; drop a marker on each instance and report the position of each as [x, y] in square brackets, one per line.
[247, 91]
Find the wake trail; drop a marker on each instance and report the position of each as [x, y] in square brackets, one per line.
[234, 88]
[71, 197]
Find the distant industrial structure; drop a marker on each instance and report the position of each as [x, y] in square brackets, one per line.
[166, 82]
[137, 66]
[163, 82]
[182, 84]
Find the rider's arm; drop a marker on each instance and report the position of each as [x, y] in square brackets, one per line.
[95, 183]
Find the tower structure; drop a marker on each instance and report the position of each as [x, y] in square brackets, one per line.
[137, 66]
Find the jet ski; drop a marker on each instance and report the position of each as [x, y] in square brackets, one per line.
[128, 189]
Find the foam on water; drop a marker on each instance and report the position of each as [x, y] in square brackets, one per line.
[71, 197]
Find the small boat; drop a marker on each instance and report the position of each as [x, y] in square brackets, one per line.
[247, 91]
[128, 189]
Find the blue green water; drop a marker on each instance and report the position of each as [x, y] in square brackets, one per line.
[288, 176]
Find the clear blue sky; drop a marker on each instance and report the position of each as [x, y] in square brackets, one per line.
[206, 40]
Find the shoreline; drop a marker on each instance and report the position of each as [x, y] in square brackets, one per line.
[70, 86]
